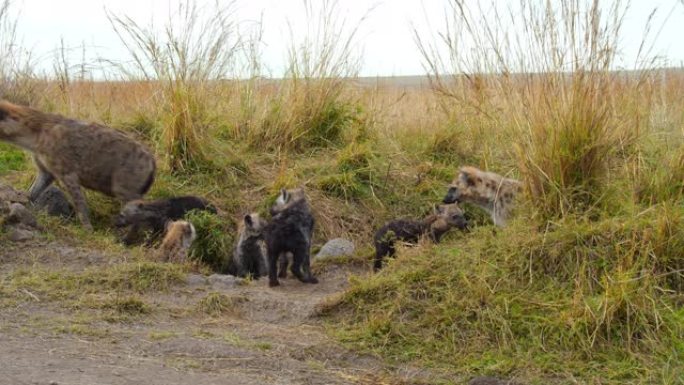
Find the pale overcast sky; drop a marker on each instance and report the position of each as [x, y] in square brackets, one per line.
[386, 35]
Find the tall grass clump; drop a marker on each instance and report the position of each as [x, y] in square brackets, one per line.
[16, 63]
[549, 83]
[196, 49]
[585, 284]
[214, 244]
[314, 105]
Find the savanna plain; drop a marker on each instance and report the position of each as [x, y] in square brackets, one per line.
[585, 284]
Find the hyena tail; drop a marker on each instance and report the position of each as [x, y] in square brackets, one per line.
[149, 181]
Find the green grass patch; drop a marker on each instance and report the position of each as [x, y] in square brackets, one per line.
[12, 158]
[584, 300]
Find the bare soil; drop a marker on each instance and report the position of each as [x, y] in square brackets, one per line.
[271, 336]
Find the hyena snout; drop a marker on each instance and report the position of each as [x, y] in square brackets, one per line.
[452, 196]
[120, 221]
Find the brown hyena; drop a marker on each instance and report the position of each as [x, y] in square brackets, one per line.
[490, 191]
[177, 241]
[78, 154]
[248, 255]
[290, 231]
[153, 215]
[434, 226]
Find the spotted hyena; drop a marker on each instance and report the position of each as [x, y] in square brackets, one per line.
[290, 232]
[249, 258]
[490, 191]
[433, 226]
[153, 215]
[177, 241]
[78, 154]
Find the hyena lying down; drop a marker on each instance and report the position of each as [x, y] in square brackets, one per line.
[492, 192]
[434, 226]
[78, 154]
[177, 241]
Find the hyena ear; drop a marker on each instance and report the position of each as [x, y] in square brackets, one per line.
[3, 113]
[440, 209]
[248, 220]
[467, 177]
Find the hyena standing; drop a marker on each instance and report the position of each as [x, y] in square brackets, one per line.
[248, 255]
[490, 191]
[78, 154]
[290, 231]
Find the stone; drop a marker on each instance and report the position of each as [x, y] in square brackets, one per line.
[9, 194]
[19, 215]
[21, 235]
[338, 247]
[223, 281]
[195, 280]
[55, 203]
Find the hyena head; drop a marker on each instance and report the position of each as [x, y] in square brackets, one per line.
[12, 125]
[253, 226]
[287, 198]
[181, 232]
[449, 216]
[133, 212]
[467, 186]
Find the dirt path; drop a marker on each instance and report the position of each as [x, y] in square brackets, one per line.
[267, 337]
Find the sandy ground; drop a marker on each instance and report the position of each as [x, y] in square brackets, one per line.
[272, 336]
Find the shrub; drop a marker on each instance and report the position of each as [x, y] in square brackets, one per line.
[214, 244]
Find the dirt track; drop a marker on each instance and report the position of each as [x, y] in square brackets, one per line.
[269, 338]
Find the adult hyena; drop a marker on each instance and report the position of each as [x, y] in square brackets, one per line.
[76, 154]
[490, 191]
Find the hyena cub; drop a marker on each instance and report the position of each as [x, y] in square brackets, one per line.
[492, 192]
[434, 226]
[153, 215]
[177, 241]
[290, 231]
[78, 154]
[248, 256]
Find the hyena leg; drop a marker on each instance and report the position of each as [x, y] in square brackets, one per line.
[262, 265]
[300, 266]
[306, 268]
[283, 265]
[273, 268]
[73, 187]
[41, 183]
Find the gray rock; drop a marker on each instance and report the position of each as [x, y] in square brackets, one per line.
[19, 215]
[223, 281]
[195, 280]
[55, 203]
[9, 194]
[486, 380]
[338, 247]
[21, 235]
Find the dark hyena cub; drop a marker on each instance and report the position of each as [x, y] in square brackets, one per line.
[78, 154]
[248, 256]
[290, 231]
[410, 231]
[153, 215]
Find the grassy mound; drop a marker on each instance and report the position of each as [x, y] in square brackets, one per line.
[583, 301]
